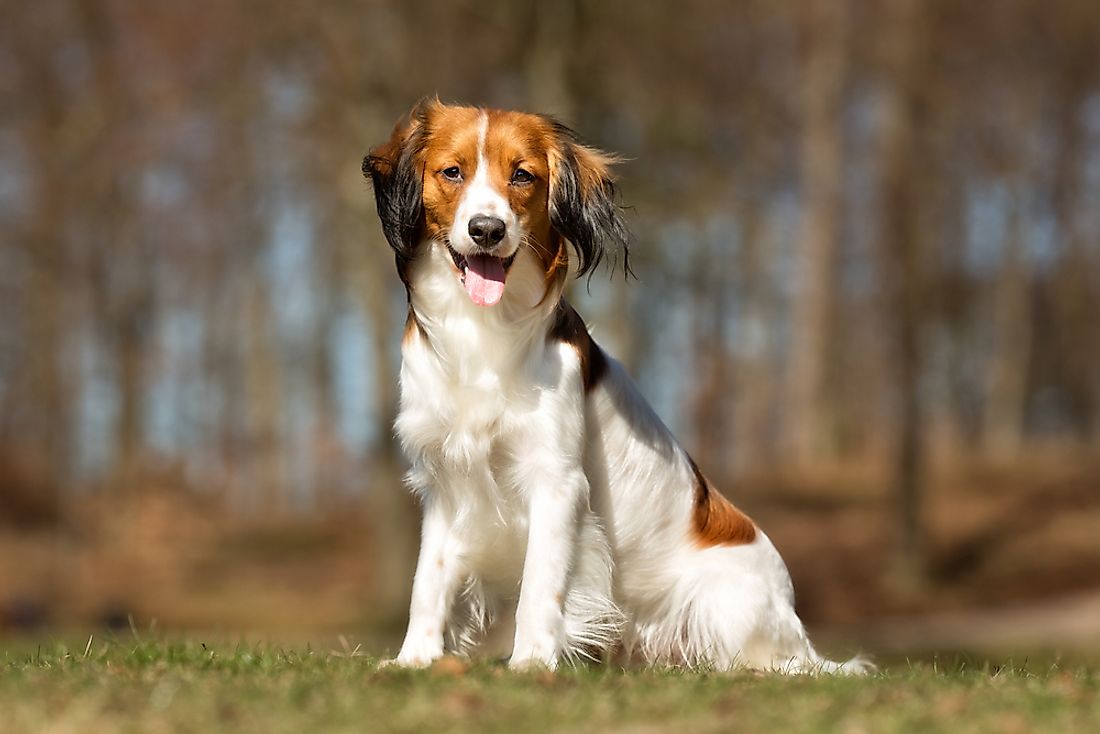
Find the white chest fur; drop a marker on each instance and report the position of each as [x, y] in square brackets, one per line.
[482, 407]
[467, 372]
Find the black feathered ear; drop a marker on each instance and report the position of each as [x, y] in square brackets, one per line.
[582, 202]
[396, 175]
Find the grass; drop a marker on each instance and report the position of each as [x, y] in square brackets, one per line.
[159, 686]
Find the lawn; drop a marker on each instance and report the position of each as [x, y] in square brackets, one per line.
[128, 685]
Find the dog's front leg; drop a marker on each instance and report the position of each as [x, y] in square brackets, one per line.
[557, 495]
[551, 545]
[437, 578]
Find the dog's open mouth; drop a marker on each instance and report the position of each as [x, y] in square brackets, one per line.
[482, 275]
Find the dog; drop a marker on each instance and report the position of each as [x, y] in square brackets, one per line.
[544, 477]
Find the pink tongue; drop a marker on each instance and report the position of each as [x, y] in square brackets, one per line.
[484, 279]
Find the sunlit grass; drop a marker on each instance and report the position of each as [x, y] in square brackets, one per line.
[147, 686]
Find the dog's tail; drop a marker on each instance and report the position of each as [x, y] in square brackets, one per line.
[815, 664]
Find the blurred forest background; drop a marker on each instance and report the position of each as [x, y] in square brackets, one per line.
[868, 293]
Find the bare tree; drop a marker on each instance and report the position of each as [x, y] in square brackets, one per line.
[812, 334]
[903, 271]
[1005, 411]
[38, 417]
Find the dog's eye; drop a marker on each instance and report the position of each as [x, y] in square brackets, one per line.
[454, 173]
[522, 176]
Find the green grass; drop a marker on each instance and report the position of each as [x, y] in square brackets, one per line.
[142, 686]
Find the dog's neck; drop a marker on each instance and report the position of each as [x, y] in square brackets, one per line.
[472, 342]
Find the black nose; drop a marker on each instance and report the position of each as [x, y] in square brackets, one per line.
[486, 231]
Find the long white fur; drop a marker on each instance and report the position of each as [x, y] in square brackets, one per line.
[578, 504]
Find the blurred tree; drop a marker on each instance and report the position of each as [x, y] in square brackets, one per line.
[807, 417]
[1005, 413]
[862, 230]
[903, 244]
[1075, 71]
[38, 413]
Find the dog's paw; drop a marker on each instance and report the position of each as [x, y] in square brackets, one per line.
[530, 663]
[539, 651]
[411, 660]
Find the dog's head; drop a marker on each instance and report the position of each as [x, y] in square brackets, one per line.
[481, 185]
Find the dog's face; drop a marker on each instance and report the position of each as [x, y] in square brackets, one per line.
[483, 184]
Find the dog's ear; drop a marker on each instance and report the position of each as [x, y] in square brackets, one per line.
[396, 174]
[582, 202]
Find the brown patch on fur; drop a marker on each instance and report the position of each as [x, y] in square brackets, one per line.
[569, 328]
[450, 139]
[594, 167]
[715, 521]
[557, 268]
[413, 329]
[382, 159]
[520, 140]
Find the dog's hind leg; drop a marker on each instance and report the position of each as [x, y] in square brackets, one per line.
[593, 622]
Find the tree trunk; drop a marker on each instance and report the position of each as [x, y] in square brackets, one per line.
[40, 418]
[900, 248]
[807, 414]
[1012, 323]
[755, 383]
[1075, 299]
[265, 401]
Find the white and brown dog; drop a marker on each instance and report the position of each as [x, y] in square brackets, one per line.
[543, 474]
